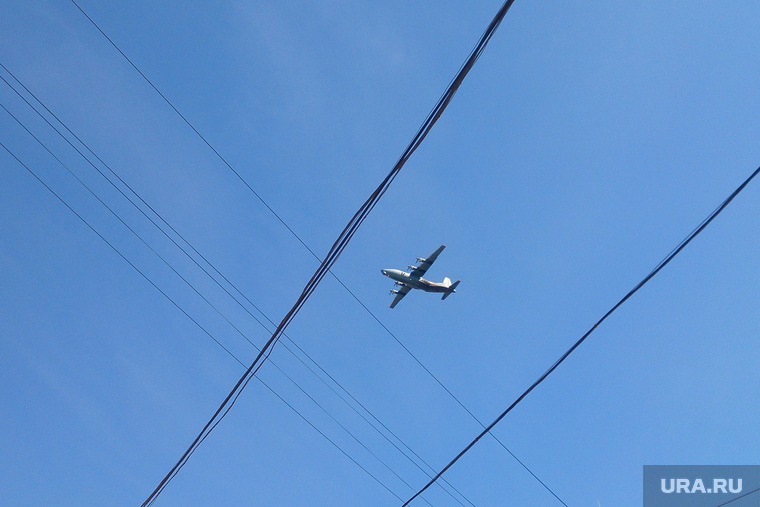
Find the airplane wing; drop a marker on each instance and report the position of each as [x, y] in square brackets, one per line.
[426, 263]
[403, 291]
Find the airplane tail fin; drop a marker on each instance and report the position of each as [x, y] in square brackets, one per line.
[447, 281]
[452, 288]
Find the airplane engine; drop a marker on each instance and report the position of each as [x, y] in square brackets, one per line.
[420, 259]
[394, 291]
[411, 267]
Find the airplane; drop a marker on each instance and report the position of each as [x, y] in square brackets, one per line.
[413, 279]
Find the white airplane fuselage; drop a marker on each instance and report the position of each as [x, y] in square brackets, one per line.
[404, 278]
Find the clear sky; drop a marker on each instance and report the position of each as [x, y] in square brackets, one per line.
[589, 139]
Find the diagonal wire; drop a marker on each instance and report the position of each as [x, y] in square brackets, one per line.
[331, 258]
[739, 497]
[205, 331]
[226, 319]
[693, 234]
[246, 309]
[476, 53]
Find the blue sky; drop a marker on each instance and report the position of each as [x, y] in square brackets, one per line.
[588, 140]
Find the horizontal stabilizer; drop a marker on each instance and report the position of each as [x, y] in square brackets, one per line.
[452, 289]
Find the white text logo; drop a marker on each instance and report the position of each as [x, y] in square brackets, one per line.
[698, 486]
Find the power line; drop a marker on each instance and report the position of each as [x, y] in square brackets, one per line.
[693, 234]
[205, 331]
[161, 218]
[219, 155]
[321, 407]
[452, 395]
[335, 251]
[484, 40]
[593, 329]
[194, 289]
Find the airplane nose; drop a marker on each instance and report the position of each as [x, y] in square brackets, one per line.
[383, 271]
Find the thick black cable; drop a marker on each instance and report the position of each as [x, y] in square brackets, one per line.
[332, 256]
[625, 298]
[369, 205]
[201, 267]
[477, 51]
[83, 220]
[238, 330]
[442, 103]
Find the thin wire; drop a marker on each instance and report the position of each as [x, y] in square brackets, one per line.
[564, 356]
[441, 105]
[739, 497]
[199, 325]
[194, 289]
[193, 128]
[482, 425]
[197, 264]
[264, 202]
[332, 256]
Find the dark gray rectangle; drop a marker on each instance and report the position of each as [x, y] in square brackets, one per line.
[701, 485]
